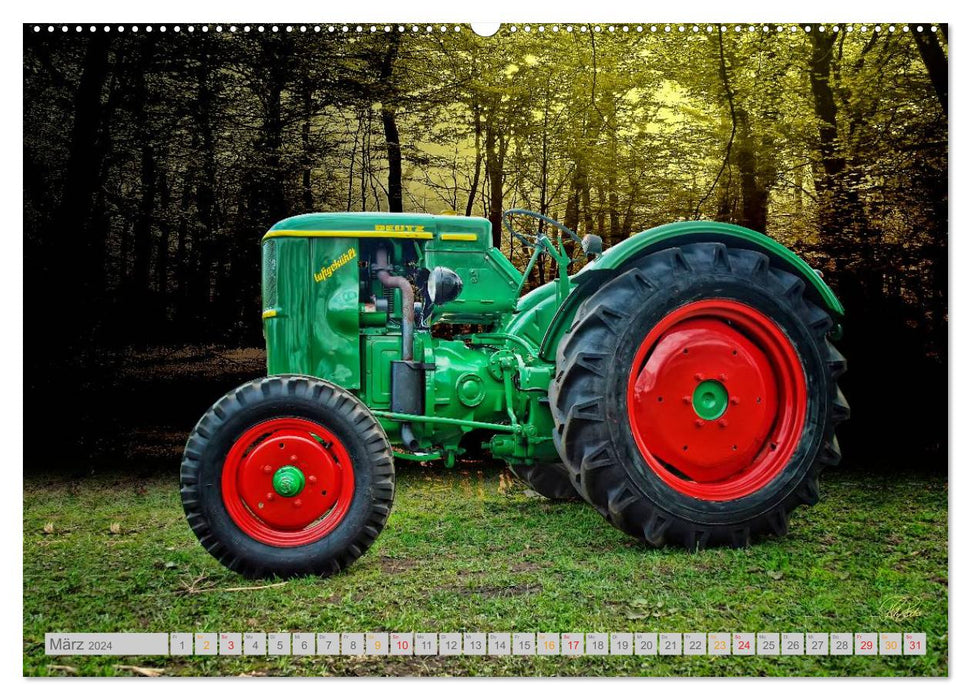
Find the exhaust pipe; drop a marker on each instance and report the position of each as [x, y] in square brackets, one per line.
[408, 438]
[407, 302]
[388, 280]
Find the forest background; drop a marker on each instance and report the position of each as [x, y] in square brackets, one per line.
[155, 160]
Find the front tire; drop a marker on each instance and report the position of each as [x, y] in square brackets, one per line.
[695, 400]
[287, 475]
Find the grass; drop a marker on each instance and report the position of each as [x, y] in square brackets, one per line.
[465, 550]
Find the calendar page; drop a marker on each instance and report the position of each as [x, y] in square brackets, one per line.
[422, 348]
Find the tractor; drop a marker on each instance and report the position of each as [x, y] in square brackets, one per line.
[683, 382]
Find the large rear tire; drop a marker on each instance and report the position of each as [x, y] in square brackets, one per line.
[287, 475]
[695, 400]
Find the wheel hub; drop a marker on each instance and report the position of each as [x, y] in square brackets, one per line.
[710, 399]
[287, 481]
[732, 404]
[716, 392]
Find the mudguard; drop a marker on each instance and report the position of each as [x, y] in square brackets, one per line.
[616, 258]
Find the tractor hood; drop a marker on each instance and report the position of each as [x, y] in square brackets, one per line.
[384, 225]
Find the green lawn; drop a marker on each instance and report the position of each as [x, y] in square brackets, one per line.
[465, 551]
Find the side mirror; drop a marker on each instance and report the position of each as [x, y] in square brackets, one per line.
[443, 285]
[592, 245]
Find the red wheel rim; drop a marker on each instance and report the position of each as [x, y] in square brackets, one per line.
[716, 399]
[297, 446]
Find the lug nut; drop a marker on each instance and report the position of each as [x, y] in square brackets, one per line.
[270, 496]
[698, 376]
[293, 458]
[736, 401]
[297, 503]
[685, 400]
[267, 469]
[699, 423]
[312, 479]
[722, 377]
[723, 423]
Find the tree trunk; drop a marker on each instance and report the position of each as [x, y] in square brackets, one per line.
[265, 198]
[833, 162]
[204, 241]
[162, 245]
[392, 138]
[391, 135]
[601, 214]
[142, 233]
[585, 203]
[145, 137]
[754, 195]
[571, 218]
[494, 175]
[932, 54]
[613, 199]
[182, 266]
[627, 225]
[308, 156]
[477, 120]
[81, 173]
[271, 133]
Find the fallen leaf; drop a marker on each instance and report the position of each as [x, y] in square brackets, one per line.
[170, 565]
[142, 670]
[115, 528]
[49, 528]
[775, 575]
[65, 669]
[187, 587]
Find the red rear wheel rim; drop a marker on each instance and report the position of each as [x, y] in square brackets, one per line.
[716, 399]
[297, 446]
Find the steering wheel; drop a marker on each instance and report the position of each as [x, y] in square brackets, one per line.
[533, 242]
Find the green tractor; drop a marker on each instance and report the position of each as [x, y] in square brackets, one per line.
[682, 382]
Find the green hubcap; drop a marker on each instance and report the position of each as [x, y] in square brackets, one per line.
[710, 399]
[288, 481]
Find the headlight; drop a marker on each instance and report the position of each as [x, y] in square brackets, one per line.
[443, 285]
